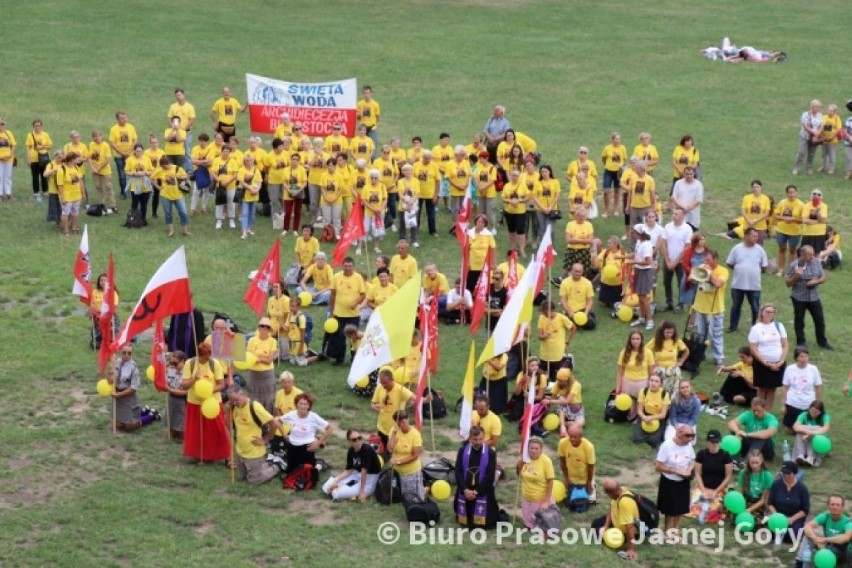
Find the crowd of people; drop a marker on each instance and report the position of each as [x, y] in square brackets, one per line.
[511, 190]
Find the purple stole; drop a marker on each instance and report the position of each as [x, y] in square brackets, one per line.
[480, 504]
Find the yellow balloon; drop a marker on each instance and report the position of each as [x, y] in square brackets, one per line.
[651, 427]
[550, 422]
[363, 383]
[609, 272]
[248, 363]
[149, 372]
[306, 298]
[104, 388]
[560, 492]
[625, 313]
[613, 538]
[623, 402]
[441, 490]
[203, 389]
[581, 319]
[399, 375]
[210, 407]
[331, 325]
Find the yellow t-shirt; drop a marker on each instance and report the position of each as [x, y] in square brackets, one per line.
[526, 143]
[56, 169]
[78, 148]
[368, 112]
[225, 169]
[321, 276]
[478, 245]
[226, 110]
[336, 144]
[548, 192]
[606, 258]
[203, 153]
[210, 371]
[515, 191]
[437, 285]
[282, 131]
[683, 157]
[262, 348]
[254, 179]
[277, 310]
[381, 294]
[284, 402]
[647, 154]
[553, 347]
[577, 459]
[573, 392]
[402, 269]
[746, 370]
[577, 293]
[32, 139]
[830, 127]
[492, 374]
[297, 324]
[168, 181]
[185, 112]
[578, 196]
[811, 212]
[575, 230]
[248, 430]
[294, 175]
[491, 425]
[458, 173]
[519, 270]
[387, 173]
[634, 371]
[175, 141]
[623, 512]
[123, 138]
[71, 180]
[427, 175]
[792, 209]
[667, 356]
[259, 155]
[534, 476]
[100, 155]
[361, 148]
[614, 157]
[504, 152]
[755, 206]
[153, 156]
[347, 291]
[306, 251]
[331, 191]
[442, 155]
[485, 175]
[712, 302]
[390, 403]
[276, 163]
[375, 195]
[652, 402]
[576, 166]
[138, 166]
[642, 190]
[406, 442]
[317, 166]
[98, 299]
[407, 189]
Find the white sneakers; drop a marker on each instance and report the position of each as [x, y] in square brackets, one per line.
[218, 223]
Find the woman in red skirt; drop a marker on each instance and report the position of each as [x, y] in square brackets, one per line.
[204, 439]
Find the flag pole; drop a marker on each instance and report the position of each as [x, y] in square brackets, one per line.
[168, 417]
[201, 433]
[230, 408]
[431, 416]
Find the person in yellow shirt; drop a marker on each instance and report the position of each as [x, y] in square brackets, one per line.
[277, 309]
[831, 127]
[669, 350]
[476, 147]
[374, 198]
[378, 294]
[515, 196]
[576, 166]
[388, 172]
[316, 161]
[486, 186]
[276, 163]
[553, 340]
[337, 143]
[685, 154]
[72, 192]
[99, 160]
[361, 146]
[224, 114]
[428, 175]
[635, 364]
[788, 230]
[484, 417]
[306, 247]
[51, 174]
[647, 152]
[295, 186]
[442, 153]
[175, 139]
[814, 219]
[403, 266]
[610, 283]
[435, 283]
[709, 306]
[38, 144]
[577, 461]
[284, 128]
[581, 193]
[201, 159]
[580, 243]
[406, 445]
[331, 197]
[510, 153]
[347, 293]
[224, 173]
[457, 173]
[295, 348]
[642, 193]
[623, 515]
[249, 180]
[546, 201]
[480, 246]
[536, 477]
[320, 274]
[138, 170]
[389, 398]
[166, 180]
[185, 111]
[368, 112]
[204, 439]
[567, 396]
[756, 209]
[408, 204]
[614, 158]
[576, 294]
[415, 153]
[285, 401]
[738, 387]
[251, 441]
[122, 139]
[153, 154]
[260, 378]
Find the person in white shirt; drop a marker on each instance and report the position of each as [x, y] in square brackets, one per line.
[688, 194]
[456, 302]
[676, 235]
[746, 260]
[644, 276]
[802, 385]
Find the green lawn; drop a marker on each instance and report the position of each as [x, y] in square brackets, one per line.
[569, 74]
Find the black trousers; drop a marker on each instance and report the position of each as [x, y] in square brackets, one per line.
[39, 181]
[667, 281]
[815, 309]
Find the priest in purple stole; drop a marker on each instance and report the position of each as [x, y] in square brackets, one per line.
[476, 463]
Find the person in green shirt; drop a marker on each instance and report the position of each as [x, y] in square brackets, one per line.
[754, 482]
[815, 420]
[756, 428]
[830, 529]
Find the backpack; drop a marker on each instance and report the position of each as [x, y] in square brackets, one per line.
[387, 487]
[548, 519]
[437, 408]
[578, 499]
[476, 392]
[309, 327]
[438, 470]
[418, 510]
[613, 414]
[291, 275]
[327, 234]
[98, 210]
[134, 220]
[302, 479]
[263, 427]
[376, 441]
[649, 515]
[538, 411]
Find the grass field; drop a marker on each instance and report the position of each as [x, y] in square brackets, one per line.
[569, 74]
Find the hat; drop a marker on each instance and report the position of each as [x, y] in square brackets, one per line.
[849, 105]
[714, 436]
[789, 467]
[264, 322]
[484, 154]
[639, 229]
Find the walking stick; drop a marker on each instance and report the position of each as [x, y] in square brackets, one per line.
[168, 419]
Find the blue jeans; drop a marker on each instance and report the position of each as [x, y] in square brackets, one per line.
[319, 299]
[374, 136]
[390, 213]
[187, 162]
[247, 208]
[737, 304]
[429, 206]
[710, 326]
[181, 209]
[122, 178]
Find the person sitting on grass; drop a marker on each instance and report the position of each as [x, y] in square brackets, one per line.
[653, 406]
[754, 481]
[812, 422]
[177, 396]
[756, 428]
[790, 497]
[623, 514]
[125, 392]
[739, 387]
[308, 433]
[831, 530]
[577, 461]
[250, 440]
[567, 396]
[359, 479]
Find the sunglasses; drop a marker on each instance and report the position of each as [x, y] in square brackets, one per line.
[689, 435]
[357, 439]
[583, 152]
[264, 326]
[127, 352]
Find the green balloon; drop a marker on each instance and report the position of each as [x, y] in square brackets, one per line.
[821, 444]
[744, 521]
[825, 559]
[735, 502]
[777, 522]
[731, 444]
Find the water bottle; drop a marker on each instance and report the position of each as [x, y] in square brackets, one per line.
[785, 451]
[705, 508]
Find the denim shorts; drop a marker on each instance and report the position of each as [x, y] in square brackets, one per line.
[792, 240]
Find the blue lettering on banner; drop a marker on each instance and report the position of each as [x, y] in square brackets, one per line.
[319, 90]
[314, 101]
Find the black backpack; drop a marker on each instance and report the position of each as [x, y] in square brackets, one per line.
[649, 515]
[134, 220]
[388, 487]
[98, 210]
[439, 469]
[418, 510]
[304, 478]
[368, 390]
[437, 408]
[613, 414]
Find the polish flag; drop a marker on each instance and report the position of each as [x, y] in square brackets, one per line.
[463, 222]
[545, 257]
[166, 294]
[512, 277]
[268, 273]
[83, 270]
[481, 293]
[353, 230]
[106, 317]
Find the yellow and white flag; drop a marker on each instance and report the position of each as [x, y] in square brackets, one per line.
[467, 394]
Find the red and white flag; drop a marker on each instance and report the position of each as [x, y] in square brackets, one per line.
[432, 326]
[158, 357]
[106, 316]
[166, 294]
[544, 255]
[269, 273]
[423, 376]
[463, 222]
[353, 230]
[481, 293]
[527, 422]
[512, 277]
[83, 270]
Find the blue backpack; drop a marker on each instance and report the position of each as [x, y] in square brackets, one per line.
[309, 328]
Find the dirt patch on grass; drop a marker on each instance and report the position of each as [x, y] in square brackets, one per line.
[319, 516]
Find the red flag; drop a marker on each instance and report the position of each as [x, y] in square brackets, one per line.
[268, 273]
[512, 277]
[424, 366]
[526, 421]
[166, 294]
[106, 317]
[353, 230]
[481, 293]
[463, 222]
[83, 270]
[545, 255]
[432, 327]
[158, 357]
